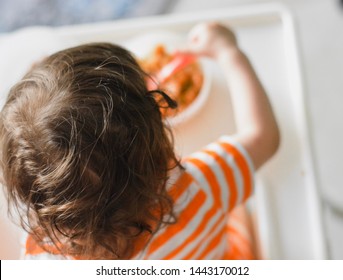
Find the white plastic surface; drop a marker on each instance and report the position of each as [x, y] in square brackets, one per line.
[286, 203]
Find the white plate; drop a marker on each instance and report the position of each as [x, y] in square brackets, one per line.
[142, 45]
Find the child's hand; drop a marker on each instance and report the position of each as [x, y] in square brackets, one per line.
[211, 39]
[257, 129]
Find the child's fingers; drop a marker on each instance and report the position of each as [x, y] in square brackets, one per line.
[198, 39]
[210, 38]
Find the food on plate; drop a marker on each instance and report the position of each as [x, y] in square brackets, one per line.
[183, 86]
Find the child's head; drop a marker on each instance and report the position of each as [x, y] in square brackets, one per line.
[85, 153]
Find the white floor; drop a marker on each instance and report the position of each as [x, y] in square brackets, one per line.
[320, 26]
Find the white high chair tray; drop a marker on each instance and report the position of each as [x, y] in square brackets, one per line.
[286, 202]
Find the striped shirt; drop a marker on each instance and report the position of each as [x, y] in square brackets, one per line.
[215, 180]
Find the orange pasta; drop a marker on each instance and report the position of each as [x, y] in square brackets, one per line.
[184, 86]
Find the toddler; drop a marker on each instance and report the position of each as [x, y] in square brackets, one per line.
[90, 165]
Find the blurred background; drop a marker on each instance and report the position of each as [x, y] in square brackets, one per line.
[16, 14]
[319, 26]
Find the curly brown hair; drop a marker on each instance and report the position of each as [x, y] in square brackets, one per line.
[85, 153]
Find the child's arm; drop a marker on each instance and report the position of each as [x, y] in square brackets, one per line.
[257, 128]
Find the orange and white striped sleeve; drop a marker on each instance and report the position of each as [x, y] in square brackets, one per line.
[34, 252]
[214, 181]
[226, 169]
